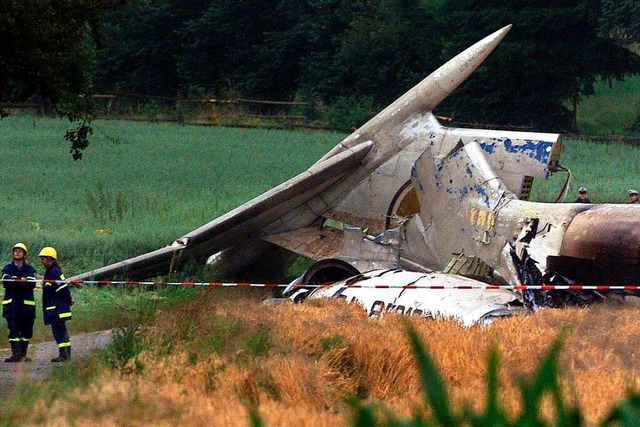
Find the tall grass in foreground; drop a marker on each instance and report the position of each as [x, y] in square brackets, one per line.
[543, 384]
[210, 359]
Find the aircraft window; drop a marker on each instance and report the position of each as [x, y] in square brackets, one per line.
[400, 309]
[417, 313]
[408, 313]
[376, 308]
[339, 292]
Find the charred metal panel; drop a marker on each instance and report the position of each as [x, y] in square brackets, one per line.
[606, 233]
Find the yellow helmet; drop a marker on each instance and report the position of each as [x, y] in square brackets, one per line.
[21, 246]
[49, 251]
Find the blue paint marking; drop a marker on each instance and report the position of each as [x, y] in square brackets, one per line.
[438, 181]
[538, 150]
[484, 195]
[455, 154]
[489, 148]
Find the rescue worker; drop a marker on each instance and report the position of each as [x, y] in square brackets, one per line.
[18, 305]
[56, 302]
[582, 196]
[633, 196]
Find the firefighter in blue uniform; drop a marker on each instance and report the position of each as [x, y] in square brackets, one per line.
[56, 302]
[18, 305]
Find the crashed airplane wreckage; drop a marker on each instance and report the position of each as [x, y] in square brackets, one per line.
[437, 198]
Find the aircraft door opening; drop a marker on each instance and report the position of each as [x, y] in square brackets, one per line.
[403, 205]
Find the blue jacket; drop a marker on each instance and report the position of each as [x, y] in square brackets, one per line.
[56, 297]
[18, 296]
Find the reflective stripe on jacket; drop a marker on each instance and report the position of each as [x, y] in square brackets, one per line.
[18, 296]
[56, 297]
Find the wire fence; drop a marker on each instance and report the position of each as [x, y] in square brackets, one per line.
[241, 112]
[212, 111]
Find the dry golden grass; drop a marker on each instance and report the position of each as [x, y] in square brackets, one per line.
[200, 370]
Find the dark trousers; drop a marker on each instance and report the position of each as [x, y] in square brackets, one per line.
[60, 334]
[20, 328]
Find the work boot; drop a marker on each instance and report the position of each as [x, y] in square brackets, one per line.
[65, 354]
[24, 346]
[16, 352]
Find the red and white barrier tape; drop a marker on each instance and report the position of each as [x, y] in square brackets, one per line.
[354, 285]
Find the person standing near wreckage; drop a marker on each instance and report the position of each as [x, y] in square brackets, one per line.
[633, 196]
[582, 196]
[56, 302]
[18, 305]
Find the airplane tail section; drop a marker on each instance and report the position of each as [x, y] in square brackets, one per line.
[367, 181]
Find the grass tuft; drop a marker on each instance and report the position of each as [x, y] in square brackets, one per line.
[122, 352]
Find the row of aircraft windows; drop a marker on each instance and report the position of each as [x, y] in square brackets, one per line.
[379, 306]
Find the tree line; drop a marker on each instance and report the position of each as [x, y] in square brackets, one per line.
[362, 54]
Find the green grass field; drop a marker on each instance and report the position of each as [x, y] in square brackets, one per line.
[139, 186]
[613, 110]
[142, 185]
[608, 170]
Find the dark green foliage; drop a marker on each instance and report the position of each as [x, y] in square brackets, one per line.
[320, 51]
[331, 342]
[254, 417]
[79, 138]
[553, 55]
[432, 383]
[47, 56]
[337, 51]
[121, 353]
[46, 48]
[258, 343]
[349, 112]
[389, 46]
[142, 43]
[626, 414]
[619, 19]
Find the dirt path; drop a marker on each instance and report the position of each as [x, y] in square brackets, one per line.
[41, 354]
